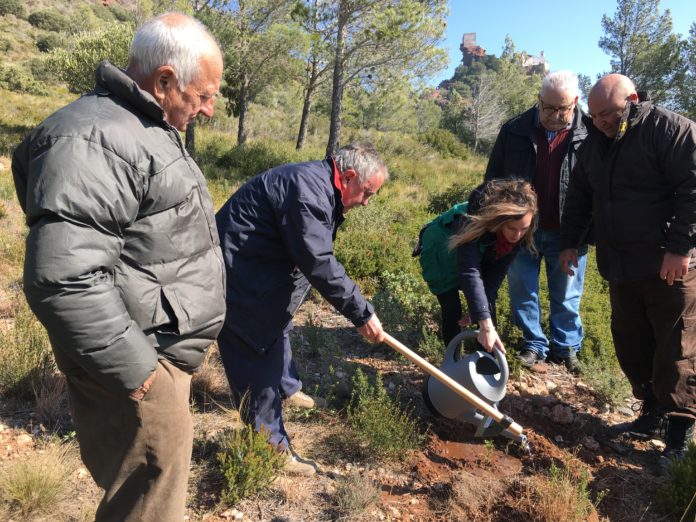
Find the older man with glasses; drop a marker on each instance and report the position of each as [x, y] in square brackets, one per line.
[540, 146]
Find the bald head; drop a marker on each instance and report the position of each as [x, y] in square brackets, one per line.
[607, 102]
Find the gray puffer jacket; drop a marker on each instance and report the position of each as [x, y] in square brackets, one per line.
[123, 264]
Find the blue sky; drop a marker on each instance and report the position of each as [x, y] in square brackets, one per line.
[567, 32]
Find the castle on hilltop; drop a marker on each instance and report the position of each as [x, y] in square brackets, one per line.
[472, 52]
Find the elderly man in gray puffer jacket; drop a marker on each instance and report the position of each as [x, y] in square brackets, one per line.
[123, 265]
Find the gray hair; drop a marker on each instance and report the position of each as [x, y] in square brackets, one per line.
[173, 39]
[363, 158]
[560, 81]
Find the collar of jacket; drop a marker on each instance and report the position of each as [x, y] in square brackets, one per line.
[111, 79]
[633, 113]
[526, 123]
[336, 178]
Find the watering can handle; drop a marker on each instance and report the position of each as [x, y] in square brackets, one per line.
[454, 344]
[467, 334]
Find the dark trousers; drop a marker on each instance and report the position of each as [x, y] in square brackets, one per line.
[654, 330]
[259, 382]
[139, 452]
[451, 309]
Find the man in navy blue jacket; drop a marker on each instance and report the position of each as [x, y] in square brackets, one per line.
[277, 234]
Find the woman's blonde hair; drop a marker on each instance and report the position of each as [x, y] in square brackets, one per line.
[499, 201]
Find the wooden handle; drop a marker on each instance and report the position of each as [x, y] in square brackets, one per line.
[453, 385]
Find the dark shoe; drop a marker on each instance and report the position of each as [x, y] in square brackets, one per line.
[646, 426]
[680, 431]
[528, 358]
[570, 361]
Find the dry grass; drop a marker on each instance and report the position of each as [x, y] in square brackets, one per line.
[560, 496]
[210, 380]
[50, 404]
[471, 497]
[355, 494]
[39, 484]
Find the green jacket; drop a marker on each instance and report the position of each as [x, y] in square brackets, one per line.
[122, 263]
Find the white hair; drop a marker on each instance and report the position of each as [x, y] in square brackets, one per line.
[173, 39]
[560, 81]
[363, 158]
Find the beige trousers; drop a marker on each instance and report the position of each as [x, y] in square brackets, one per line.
[139, 452]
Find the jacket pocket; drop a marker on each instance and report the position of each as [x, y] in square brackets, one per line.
[170, 316]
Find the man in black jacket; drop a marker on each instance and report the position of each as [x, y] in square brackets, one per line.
[277, 235]
[540, 146]
[636, 178]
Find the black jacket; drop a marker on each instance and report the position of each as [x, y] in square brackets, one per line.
[514, 152]
[277, 234]
[640, 190]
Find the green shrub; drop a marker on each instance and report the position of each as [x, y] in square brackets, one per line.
[404, 303]
[25, 353]
[678, 493]
[5, 44]
[248, 463]
[49, 20]
[76, 66]
[37, 484]
[121, 14]
[385, 431]
[319, 340]
[445, 143]
[600, 369]
[355, 493]
[431, 346]
[12, 7]
[49, 42]
[16, 78]
[456, 193]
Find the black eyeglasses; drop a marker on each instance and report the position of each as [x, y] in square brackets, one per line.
[562, 110]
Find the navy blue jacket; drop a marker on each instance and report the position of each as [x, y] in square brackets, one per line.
[276, 234]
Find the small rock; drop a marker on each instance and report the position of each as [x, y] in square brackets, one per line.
[581, 385]
[340, 374]
[628, 412]
[232, 514]
[590, 443]
[606, 408]
[551, 385]
[414, 501]
[558, 438]
[657, 444]
[24, 439]
[600, 459]
[82, 473]
[562, 414]
[391, 386]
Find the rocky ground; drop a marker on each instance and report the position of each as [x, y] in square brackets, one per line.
[455, 476]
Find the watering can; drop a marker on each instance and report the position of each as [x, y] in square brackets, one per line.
[478, 378]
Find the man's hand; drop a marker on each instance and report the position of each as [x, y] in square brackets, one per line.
[139, 393]
[568, 258]
[372, 330]
[674, 267]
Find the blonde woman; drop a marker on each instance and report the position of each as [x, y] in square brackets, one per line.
[500, 217]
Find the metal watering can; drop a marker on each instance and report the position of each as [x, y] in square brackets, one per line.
[467, 388]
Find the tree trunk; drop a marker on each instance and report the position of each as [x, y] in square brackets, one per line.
[306, 108]
[243, 109]
[337, 94]
[190, 141]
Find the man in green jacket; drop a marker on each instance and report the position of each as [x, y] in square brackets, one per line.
[123, 265]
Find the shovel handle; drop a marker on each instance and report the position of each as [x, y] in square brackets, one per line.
[453, 385]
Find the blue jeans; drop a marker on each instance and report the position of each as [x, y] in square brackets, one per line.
[564, 296]
[259, 382]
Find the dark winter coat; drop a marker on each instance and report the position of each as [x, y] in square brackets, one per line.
[277, 235]
[122, 262]
[515, 150]
[640, 191]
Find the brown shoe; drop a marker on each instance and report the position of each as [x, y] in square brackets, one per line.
[296, 465]
[299, 399]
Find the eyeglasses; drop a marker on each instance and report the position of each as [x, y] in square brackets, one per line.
[562, 110]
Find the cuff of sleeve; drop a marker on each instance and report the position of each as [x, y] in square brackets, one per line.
[365, 317]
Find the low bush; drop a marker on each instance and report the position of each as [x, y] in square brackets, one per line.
[247, 462]
[385, 431]
[25, 353]
[49, 20]
[12, 7]
[49, 42]
[16, 78]
[39, 483]
[445, 143]
[355, 494]
[678, 492]
[456, 193]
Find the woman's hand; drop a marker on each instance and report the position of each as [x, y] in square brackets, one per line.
[488, 336]
[464, 321]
